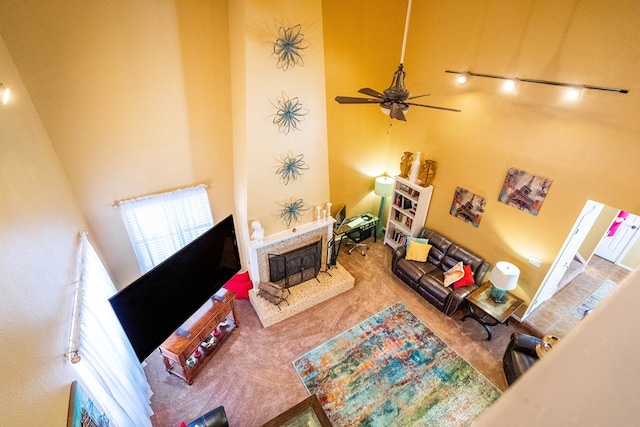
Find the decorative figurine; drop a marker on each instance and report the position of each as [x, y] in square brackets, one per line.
[427, 173]
[258, 231]
[405, 164]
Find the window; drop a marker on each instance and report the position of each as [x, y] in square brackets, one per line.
[161, 224]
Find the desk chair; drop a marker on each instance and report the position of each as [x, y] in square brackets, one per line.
[356, 237]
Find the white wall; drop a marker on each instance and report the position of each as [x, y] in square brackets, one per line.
[39, 224]
[590, 378]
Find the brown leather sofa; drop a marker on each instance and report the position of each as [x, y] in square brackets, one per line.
[427, 278]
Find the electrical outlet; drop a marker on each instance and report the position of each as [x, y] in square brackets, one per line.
[535, 261]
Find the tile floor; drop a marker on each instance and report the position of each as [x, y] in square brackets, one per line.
[554, 317]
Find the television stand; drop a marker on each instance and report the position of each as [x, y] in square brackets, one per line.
[186, 351]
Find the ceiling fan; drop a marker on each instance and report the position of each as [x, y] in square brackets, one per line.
[394, 99]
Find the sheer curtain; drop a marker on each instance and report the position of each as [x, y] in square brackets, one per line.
[161, 224]
[108, 368]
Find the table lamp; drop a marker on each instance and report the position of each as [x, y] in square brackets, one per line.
[503, 278]
[384, 189]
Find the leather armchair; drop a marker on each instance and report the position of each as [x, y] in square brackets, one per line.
[427, 278]
[519, 356]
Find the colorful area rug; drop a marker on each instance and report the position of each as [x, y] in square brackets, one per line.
[593, 299]
[391, 370]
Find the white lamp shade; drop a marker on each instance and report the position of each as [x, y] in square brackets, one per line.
[504, 276]
[384, 186]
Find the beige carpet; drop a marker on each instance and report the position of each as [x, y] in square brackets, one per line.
[252, 376]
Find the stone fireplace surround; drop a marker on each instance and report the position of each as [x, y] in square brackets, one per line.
[307, 294]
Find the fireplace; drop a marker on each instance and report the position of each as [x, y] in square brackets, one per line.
[268, 299]
[296, 266]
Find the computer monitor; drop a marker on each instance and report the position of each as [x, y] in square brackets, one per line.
[341, 216]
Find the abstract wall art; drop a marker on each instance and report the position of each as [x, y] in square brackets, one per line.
[524, 190]
[468, 206]
[82, 411]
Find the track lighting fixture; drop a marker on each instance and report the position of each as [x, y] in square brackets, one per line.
[511, 83]
[4, 93]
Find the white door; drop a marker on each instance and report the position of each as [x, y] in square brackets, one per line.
[569, 249]
[614, 247]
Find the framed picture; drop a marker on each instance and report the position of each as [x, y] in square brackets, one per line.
[524, 191]
[468, 206]
[82, 411]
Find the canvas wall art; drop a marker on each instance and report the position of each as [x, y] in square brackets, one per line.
[524, 191]
[82, 411]
[468, 206]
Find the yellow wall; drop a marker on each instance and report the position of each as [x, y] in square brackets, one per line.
[135, 99]
[589, 148]
[39, 220]
[140, 97]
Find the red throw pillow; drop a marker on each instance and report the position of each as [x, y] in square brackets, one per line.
[242, 277]
[240, 284]
[466, 280]
[241, 289]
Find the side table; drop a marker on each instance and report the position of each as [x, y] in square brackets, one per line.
[493, 313]
[186, 350]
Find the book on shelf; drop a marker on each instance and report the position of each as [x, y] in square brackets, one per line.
[404, 188]
[399, 237]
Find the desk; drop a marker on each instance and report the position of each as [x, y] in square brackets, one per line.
[369, 221]
[499, 312]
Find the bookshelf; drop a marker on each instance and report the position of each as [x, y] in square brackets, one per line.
[408, 211]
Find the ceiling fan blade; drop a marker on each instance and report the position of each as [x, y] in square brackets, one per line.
[434, 106]
[419, 96]
[352, 100]
[372, 92]
[396, 112]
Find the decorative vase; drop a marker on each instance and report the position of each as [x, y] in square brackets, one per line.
[415, 169]
[405, 164]
[427, 173]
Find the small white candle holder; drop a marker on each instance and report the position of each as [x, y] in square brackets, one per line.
[318, 213]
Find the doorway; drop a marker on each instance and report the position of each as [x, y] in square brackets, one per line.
[619, 239]
[597, 226]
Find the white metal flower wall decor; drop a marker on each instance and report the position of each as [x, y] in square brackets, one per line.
[289, 114]
[292, 210]
[289, 46]
[291, 168]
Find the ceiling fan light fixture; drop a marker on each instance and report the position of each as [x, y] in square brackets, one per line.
[386, 107]
[396, 99]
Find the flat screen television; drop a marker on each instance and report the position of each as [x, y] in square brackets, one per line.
[155, 305]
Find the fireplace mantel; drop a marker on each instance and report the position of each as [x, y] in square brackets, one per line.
[286, 240]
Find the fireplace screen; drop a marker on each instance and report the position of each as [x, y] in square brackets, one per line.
[296, 266]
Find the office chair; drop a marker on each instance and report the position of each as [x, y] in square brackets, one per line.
[356, 237]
